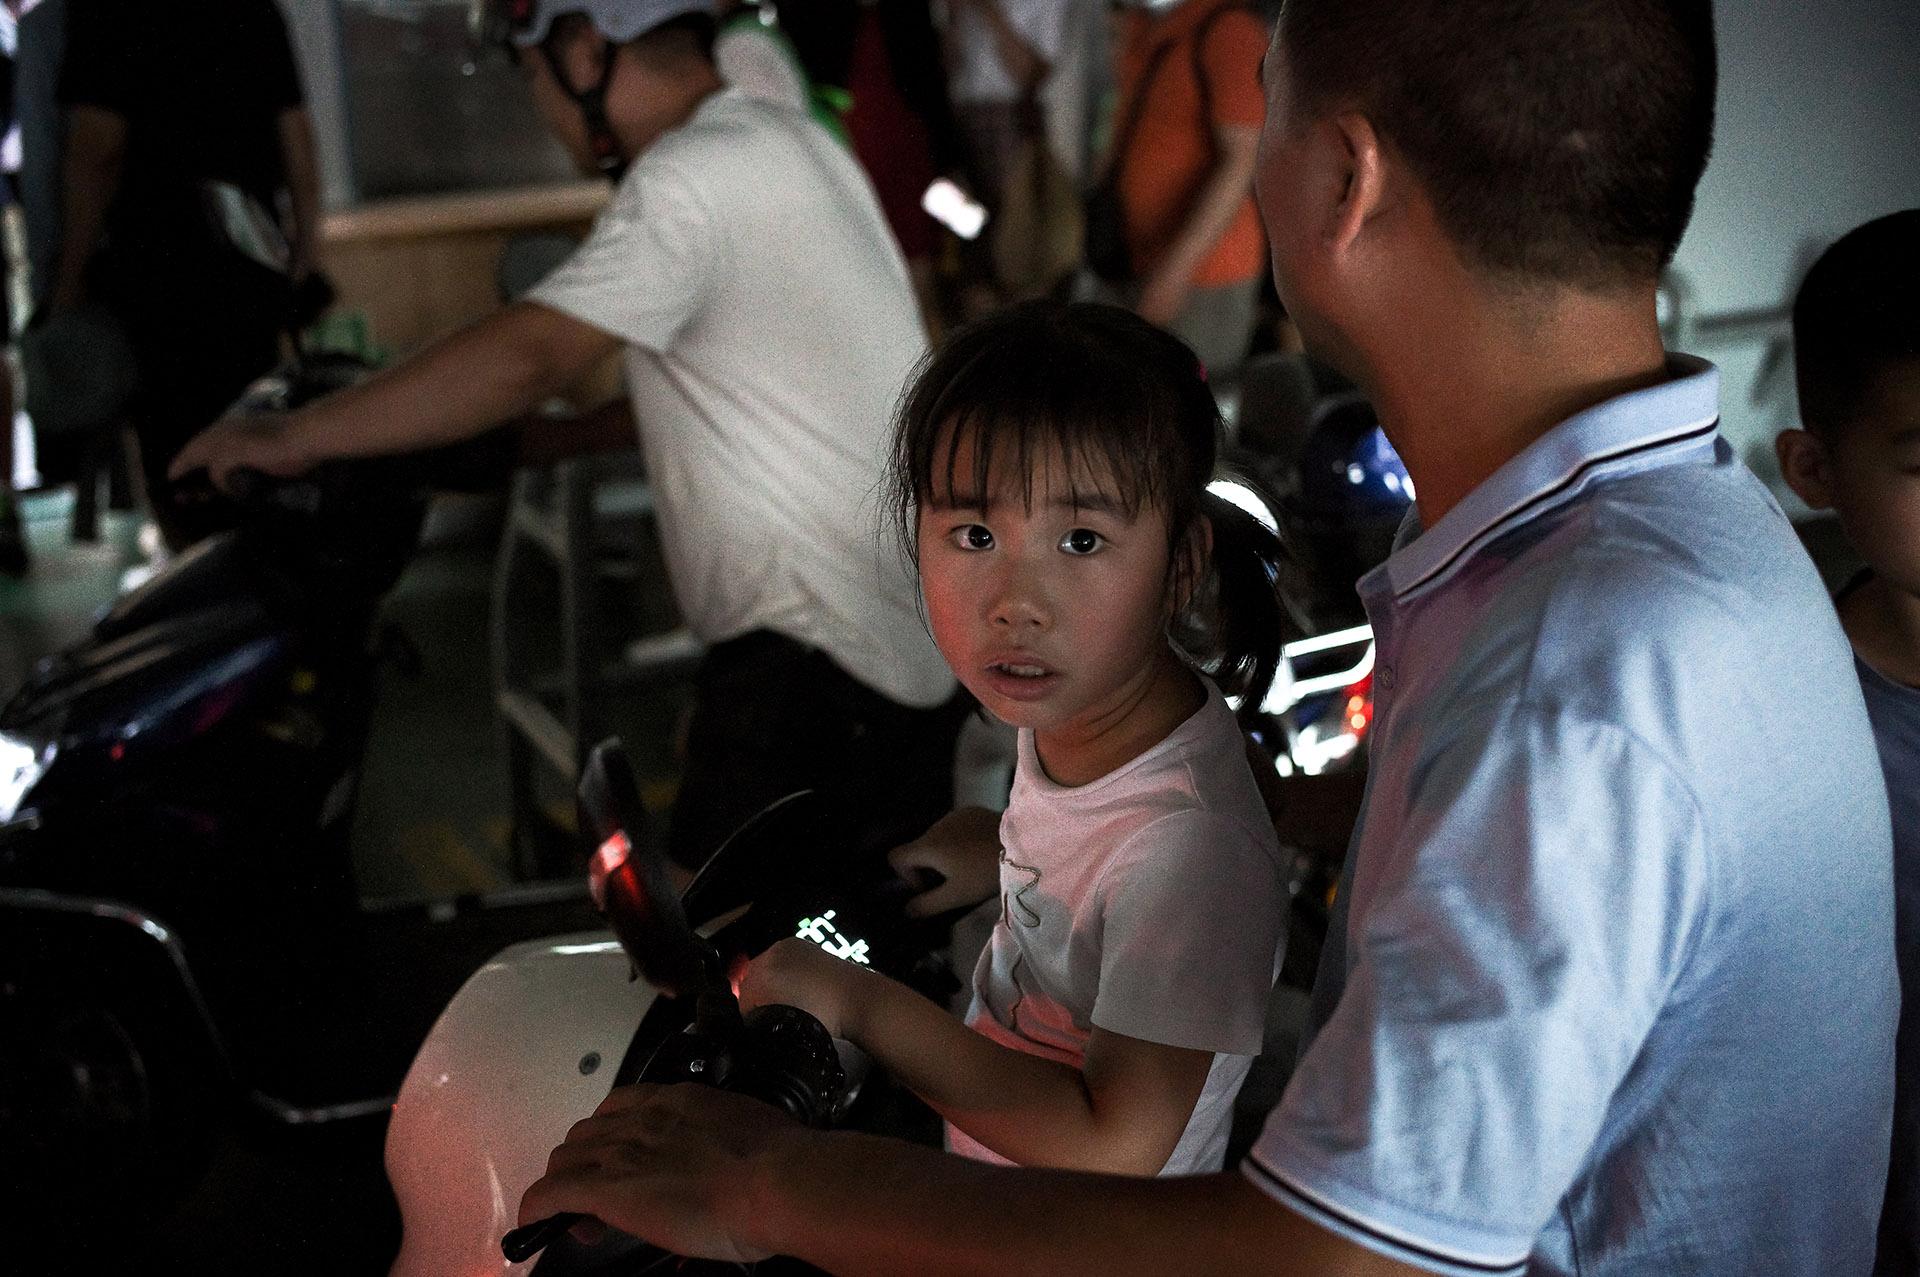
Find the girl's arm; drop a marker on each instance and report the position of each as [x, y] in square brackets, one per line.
[1123, 1112]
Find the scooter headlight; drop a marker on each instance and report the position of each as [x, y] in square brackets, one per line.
[22, 764]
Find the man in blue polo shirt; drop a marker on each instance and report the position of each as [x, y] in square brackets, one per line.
[1610, 990]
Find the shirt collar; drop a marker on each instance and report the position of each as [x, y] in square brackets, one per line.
[1674, 422]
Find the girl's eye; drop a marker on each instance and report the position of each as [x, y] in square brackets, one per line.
[1082, 541]
[973, 537]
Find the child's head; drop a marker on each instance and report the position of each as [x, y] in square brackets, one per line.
[1550, 145]
[1050, 480]
[1856, 350]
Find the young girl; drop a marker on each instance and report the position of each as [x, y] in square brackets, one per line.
[1050, 478]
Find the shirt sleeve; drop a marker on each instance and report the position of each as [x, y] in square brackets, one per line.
[751, 61]
[1506, 960]
[649, 264]
[1230, 54]
[1193, 913]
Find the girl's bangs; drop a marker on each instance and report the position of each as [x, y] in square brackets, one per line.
[1108, 432]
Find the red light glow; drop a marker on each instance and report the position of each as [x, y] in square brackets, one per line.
[1360, 705]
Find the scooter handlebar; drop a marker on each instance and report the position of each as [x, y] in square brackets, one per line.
[780, 1055]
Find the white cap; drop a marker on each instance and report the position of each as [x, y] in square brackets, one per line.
[617, 20]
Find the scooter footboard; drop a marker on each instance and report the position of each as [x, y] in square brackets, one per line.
[528, 1046]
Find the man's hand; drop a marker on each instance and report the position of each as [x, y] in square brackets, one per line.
[799, 973]
[263, 443]
[963, 847]
[675, 1165]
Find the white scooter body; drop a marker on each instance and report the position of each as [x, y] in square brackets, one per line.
[528, 1046]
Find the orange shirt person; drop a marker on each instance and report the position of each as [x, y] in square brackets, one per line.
[1185, 181]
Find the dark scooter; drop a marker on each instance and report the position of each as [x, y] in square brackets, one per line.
[180, 932]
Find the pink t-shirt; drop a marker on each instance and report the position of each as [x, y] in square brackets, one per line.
[1151, 902]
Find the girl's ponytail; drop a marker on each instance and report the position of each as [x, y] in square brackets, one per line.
[1235, 618]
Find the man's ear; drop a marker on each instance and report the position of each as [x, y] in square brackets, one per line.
[1364, 189]
[1805, 465]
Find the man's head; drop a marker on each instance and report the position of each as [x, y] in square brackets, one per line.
[609, 76]
[1552, 144]
[1856, 354]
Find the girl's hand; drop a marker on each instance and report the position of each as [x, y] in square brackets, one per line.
[963, 848]
[799, 973]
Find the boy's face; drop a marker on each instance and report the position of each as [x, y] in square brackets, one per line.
[1869, 475]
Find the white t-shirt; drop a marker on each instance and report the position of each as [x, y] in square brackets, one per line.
[770, 327]
[1152, 903]
[749, 58]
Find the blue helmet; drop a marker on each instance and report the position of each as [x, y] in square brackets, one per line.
[1348, 470]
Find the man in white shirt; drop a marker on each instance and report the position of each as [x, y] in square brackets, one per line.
[767, 323]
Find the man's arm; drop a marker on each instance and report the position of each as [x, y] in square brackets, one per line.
[458, 387]
[300, 159]
[1165, 292]
[90, 178]
[1123, 1111]
[708, 1173]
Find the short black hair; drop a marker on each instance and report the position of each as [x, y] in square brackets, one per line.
[1856, 314]
[1559, 140]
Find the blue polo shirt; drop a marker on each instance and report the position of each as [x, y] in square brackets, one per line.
[1609, 987]
[1895, 711]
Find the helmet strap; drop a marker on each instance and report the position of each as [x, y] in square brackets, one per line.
[592, 101]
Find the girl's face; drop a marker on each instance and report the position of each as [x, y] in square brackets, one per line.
[1052, 611]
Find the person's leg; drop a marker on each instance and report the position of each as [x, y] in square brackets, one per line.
[990, 136]
[898, 771]
[185, 387]
[772, 716]
[13, 536]
[14, 559]
[1218, 323]
[735, 762]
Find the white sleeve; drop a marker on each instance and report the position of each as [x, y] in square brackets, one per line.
[755, 65]
[1192, 916]
[649, 264]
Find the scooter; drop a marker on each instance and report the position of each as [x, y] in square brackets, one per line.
[1310, 461]
[180, 933]
[541, 1033]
